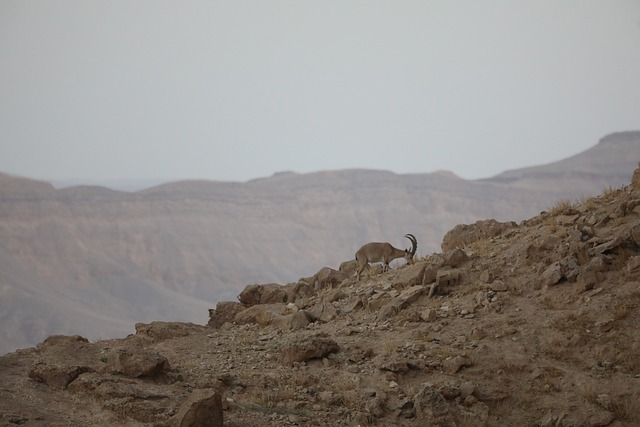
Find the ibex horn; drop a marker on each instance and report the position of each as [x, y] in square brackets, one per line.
[414, 243]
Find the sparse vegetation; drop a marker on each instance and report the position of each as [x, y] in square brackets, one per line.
[561, 207]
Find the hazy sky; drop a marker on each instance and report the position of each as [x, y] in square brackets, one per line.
[234, 90]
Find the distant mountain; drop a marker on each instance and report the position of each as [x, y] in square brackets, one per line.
[609, 161]
[129, 185]
[93, 261]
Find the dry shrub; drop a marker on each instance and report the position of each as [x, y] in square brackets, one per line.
[572, 322]
[627, 408]
[561, 206]
[389, 347]
[582, 254]
[556, 348]
[621, 310]
[611, 192]
[588, 392]
[305, 379]
[345, 383]
[629, 360]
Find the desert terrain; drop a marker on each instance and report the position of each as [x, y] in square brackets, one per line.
[527, 323]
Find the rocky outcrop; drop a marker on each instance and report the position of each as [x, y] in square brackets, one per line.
[465, 234]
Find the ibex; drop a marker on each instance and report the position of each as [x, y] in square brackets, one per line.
[385, 253]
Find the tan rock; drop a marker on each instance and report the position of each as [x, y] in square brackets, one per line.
[203, 408]
[305, 348]
[135, 362]
[56, 376]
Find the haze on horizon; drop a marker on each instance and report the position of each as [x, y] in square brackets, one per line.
[120, 90]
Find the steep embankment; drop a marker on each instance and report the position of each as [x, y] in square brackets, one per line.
[512, 324]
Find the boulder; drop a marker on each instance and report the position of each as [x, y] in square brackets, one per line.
[273, 293]
[299, 320]
[455, 258]
[160, 331]
[328, 277]
[313, 347]
[261, 315]
[55, 375]
[447, 277]
[348, 267]
[202, 408]
[551, 275]
[250, 295]
[135, 362]
[225, 312]
[62, 340]
[322, 311]
[454, 364]
[297, 291]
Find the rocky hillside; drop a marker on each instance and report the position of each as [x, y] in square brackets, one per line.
[94, 261]
[529, 324]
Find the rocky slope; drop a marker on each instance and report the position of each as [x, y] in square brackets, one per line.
[529, 324]
[93, 261]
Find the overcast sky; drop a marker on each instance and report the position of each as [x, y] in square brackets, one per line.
[234, 90]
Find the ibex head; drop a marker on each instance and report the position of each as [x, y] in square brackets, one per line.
[385, 253]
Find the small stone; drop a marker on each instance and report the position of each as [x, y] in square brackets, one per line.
[604, 400]
[466, 389]
[478, 334]
[454, 364]
[498, 286]
[470, 401]
[393, 384]
[429, 315]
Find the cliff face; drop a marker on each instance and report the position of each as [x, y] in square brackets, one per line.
[511, 324]
[93, 261]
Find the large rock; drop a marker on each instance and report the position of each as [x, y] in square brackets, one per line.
[160, 331]
[328, 277]
[314, 347]
[135, 362]
[55, 375]
[455, 258]
[273, 293]
[325, 312]
[250, 295]
[225, 312]
[203, 408]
